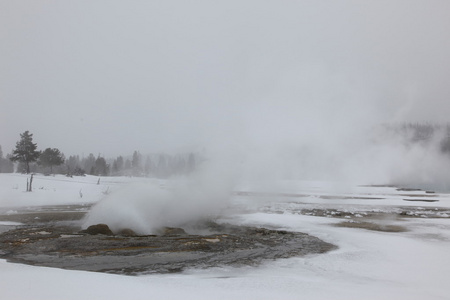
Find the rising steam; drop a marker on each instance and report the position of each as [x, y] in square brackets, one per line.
[383, 156]
[148, 207]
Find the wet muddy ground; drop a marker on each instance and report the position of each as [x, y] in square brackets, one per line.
[51, 237]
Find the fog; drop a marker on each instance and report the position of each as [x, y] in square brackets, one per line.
[271, 90]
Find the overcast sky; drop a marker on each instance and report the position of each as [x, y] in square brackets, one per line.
[111, 77]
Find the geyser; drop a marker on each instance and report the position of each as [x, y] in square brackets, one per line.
[147, 207]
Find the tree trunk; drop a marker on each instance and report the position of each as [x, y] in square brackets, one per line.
[31, 182]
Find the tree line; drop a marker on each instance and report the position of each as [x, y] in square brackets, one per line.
[28, 159]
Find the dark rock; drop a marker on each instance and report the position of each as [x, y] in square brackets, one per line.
[98, 229]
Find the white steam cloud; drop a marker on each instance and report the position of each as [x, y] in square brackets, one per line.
[370, 157]
[148, 207]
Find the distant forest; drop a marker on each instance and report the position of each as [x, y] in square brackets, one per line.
[159, 165]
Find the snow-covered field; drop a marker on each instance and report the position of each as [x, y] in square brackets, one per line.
[368, 264]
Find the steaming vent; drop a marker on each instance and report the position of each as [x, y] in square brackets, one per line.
[148, 208]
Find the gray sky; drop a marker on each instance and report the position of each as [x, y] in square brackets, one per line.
[111, 77]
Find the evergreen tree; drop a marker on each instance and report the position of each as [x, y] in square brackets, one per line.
[89, 164]
[73, 163]
[6, 166]
[101, 167]
[136, 163]
[25, 151]
[51, 157]
[117, 167]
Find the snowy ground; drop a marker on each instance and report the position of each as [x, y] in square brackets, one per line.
[368, 264]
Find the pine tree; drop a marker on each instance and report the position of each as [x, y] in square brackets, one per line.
[6, 166]
[51, 157]
[136, 163]
[101, 167]
[25, 151]
[89, 164]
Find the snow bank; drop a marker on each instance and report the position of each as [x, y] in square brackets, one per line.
[55, 190]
